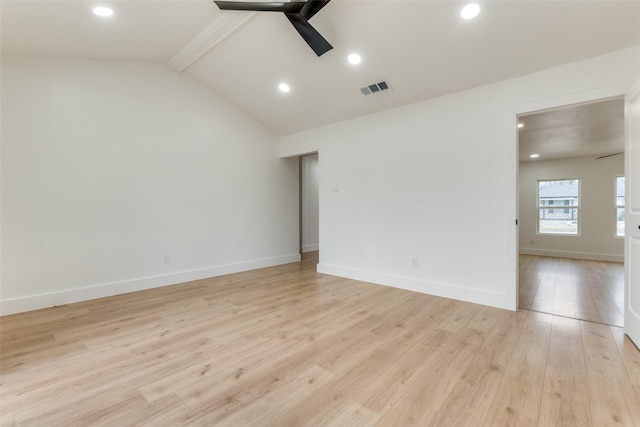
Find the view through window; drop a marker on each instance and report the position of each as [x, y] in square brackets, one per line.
[620, 206]
[558, 206]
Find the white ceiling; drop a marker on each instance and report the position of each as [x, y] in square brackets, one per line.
[422, 48]
[147, 31]
[593, 129]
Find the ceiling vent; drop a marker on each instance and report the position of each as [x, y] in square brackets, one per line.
[375, 88]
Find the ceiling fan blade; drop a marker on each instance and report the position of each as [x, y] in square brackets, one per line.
[287, 7]
[313, 38]
[311, 7]
[608, 155]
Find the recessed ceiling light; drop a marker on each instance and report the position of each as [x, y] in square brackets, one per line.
[520, 125]
[470, 11]
[284, 87]
[534, 156]
[103, 11]
[354, 59]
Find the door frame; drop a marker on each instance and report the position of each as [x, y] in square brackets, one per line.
[632, 326]
[510, 119]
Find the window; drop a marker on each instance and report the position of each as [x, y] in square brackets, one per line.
[564, 192]
[620, 206]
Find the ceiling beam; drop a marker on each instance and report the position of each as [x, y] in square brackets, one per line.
[221, 28]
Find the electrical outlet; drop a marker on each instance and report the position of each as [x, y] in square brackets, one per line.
[531, 242]
[414, 263]
[167, 259]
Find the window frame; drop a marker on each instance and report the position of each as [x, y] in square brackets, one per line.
[540, 207]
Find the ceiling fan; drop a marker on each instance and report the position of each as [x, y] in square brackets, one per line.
[298, 13]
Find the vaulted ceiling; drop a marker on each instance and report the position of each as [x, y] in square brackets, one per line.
[423, 49]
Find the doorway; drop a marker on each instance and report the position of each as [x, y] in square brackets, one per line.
[309, 207]
[571, 254]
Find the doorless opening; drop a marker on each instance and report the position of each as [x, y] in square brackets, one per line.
[309, 205]
[570, 159]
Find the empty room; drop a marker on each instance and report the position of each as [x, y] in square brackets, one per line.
[317, 213]
[572, 197]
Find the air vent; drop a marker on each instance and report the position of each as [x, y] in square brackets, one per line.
[375, 88]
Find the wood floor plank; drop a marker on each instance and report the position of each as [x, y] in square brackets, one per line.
[101, 408]
[353, 415]
[200, 368]
[275, 404]
[319, 408]
[565, 399]
[121, 373]
[566, 346]
[517, 401]
[419, 403]
[389, 385]
[612, 398]
[42, 375]
[157, 413]
[458, 318]
[629, 354]
[468, 403]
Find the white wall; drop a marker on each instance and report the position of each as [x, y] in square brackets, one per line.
[310, 209]
[597, 215]
[108, 167]
[426, 194]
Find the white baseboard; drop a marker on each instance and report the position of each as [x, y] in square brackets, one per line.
[574, 255]
[310, 248]
[493, 299]
[35, 302]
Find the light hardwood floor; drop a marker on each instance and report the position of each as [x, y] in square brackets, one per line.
[580, 289]
[285, 346]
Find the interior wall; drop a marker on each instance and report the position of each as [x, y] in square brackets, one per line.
[597, 216]
[124, 176]
[310, 208]
[431, 204]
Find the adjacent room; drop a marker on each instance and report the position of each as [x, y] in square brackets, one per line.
[571, 199]
[318, 213]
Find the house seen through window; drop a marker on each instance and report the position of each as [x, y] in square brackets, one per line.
[620, 206]
[559, 206]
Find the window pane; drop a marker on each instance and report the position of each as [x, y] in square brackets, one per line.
[620, 222]
[620, 191]
[558, 221]
[562, 192]
[620, 206]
